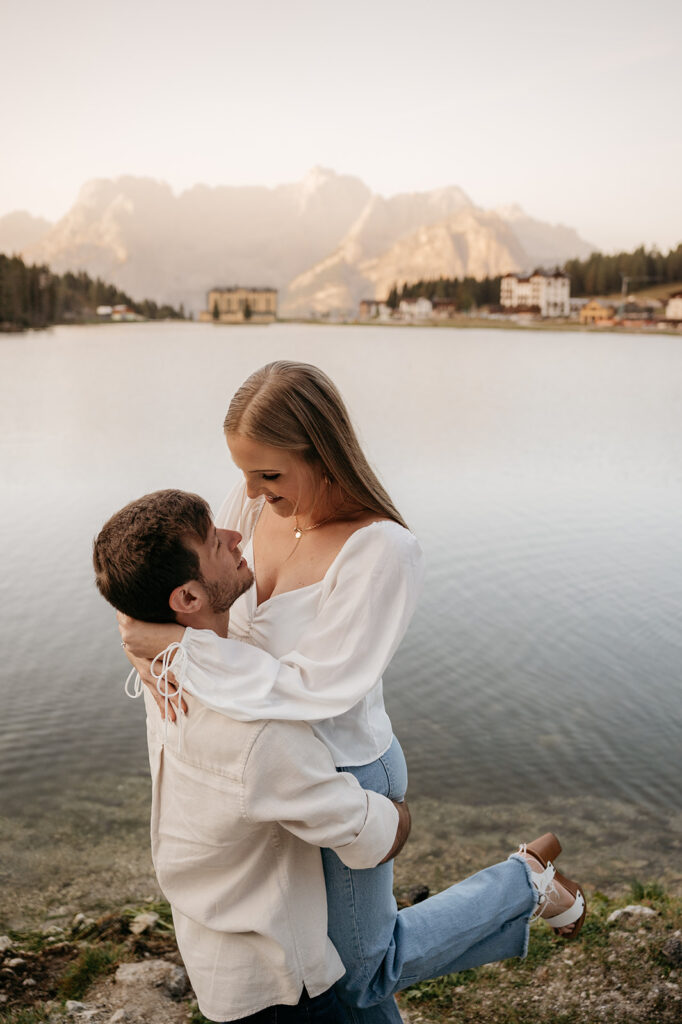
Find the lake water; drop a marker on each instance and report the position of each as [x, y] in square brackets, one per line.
[542, 472]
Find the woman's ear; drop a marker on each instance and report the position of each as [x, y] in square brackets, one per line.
[187, 599]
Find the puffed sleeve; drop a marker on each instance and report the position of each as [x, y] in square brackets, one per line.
[367, 600]
[289, 777]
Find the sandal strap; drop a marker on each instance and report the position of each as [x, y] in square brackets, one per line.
[569, 916]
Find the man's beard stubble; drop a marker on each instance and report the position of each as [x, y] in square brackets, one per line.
[222, 595]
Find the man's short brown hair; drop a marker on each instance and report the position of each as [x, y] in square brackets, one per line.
[141, 553]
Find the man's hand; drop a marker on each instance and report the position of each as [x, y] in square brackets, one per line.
[404, 826]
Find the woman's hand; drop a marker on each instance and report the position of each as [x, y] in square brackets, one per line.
[147, 639]
[143, 668]
[142, 639]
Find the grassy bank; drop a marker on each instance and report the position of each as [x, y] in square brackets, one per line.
[624, 969]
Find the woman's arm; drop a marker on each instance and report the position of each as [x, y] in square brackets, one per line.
[141, 642]
[146, 639]
[367, 601]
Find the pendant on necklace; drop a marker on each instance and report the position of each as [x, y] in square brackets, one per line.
[298, 533]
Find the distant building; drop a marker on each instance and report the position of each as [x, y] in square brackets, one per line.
[444, 308]
[368, 309]
[415, 309]
[240, 305]
[673, 309]
[123, 312]
[105, 310]
[550, 294]
[635, 314]
[597, 313]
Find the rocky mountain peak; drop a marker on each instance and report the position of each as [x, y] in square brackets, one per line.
[324, 242]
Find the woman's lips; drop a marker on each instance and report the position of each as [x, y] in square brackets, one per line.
[272, 499]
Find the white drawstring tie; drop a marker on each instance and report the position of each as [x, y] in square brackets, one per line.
[137, 684]
[173, 659]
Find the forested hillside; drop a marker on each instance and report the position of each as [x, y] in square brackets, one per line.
[32, 296]
[599, 274]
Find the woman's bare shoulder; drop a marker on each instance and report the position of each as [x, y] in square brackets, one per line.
[384, 534]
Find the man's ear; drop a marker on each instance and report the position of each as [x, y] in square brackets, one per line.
[187, 599]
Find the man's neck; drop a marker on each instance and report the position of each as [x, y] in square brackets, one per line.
[218, 622]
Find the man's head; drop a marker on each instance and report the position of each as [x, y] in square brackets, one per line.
[161, 559]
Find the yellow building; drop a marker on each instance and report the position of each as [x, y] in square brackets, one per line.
[596, 313]
[240, 305]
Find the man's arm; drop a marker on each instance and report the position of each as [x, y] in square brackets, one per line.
[404, 829]
[290, 778]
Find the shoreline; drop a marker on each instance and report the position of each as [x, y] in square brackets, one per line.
[91, 851]
[467, 322]
[459, 323]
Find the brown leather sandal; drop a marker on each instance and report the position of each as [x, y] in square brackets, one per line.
[546, 849]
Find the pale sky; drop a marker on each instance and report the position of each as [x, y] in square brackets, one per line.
[570, 110]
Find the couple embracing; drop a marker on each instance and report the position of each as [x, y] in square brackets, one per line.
[278, 786]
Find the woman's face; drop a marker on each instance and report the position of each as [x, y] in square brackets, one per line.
[288, 483]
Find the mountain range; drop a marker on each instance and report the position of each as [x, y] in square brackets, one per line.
[325, 242]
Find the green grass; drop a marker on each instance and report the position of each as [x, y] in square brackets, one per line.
[197, 1017]
[32, 942]
[28, 1015]
[437, 992]
[91, 963]
[650, 893]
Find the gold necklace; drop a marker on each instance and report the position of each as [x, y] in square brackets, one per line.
[300, 530]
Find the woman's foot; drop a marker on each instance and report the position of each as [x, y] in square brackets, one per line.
[561, 901]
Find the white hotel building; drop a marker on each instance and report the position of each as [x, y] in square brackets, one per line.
[550, 293]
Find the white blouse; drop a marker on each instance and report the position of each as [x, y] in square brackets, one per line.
[316, 654]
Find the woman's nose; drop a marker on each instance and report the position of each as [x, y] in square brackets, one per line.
[253, 489]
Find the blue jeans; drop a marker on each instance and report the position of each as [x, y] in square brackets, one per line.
[483, 919]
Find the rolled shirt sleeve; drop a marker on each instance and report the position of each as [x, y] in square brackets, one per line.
[367, 599]
[290, 778]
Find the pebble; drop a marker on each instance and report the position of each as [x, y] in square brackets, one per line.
[16, 961]
[672, 950]
[120, 1017]
[177, 982]
[29, 983]
[632, 910]
[5, 943]
[57, 912]
[143, 922]
[52, 929]
[155, 973]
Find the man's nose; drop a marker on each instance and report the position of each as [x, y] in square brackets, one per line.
[231, 538]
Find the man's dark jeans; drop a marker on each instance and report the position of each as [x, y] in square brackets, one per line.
[323, 1009]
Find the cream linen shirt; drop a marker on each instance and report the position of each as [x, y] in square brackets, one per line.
[239, 811]
[316, 654]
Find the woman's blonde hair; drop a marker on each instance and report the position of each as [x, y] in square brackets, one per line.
[295, 406]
